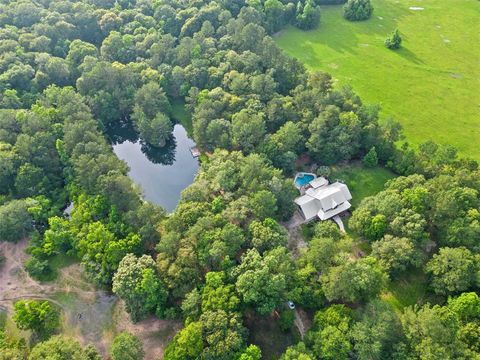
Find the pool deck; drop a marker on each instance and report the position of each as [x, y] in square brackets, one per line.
[300, 175]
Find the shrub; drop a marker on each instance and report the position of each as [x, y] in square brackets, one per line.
[394, 40]
[287, 319]
[371, 159]
[357, 10]
[324, 171]
[38, 269]
[126, 346]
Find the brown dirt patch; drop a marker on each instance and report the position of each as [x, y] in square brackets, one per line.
[88, 314]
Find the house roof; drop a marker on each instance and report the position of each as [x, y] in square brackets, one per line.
[324, 215]
[319, 181]
[325, 201]
[309, 206]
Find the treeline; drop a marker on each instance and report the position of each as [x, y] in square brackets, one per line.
[377, 331]
[109, 219]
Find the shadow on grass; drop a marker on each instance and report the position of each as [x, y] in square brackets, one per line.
[409, 289]
[343, 36]
[409, 56]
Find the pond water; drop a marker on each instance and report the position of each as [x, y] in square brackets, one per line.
[162, 173]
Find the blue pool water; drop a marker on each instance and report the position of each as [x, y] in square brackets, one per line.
[302, 181]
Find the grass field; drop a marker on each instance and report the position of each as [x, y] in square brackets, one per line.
[407, 291]
[361, 181]
[181, 114]
[431, 85]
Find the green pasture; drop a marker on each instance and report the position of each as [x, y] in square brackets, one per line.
[431, 85]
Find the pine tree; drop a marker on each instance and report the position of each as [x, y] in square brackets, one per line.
[371, 159]
[394, 40]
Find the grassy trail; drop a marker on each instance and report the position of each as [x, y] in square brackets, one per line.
[431, 85]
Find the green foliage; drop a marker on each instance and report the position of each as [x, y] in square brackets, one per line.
[466, 306]
[357, 10]
[216, 295]
[252, 352]
[371, 159]
[297, 352]
[223, 334]
[286, 320]
[432, 332]
[62, 348]
[39, 316]
[264, 204]
[308, 15]
[267, 235]
[452, 270]
[354, 281]
[396, 255]
[325, 144]
[223, 249]
[263, 280]
[15, 220]
[137, 283]
[248, 130]
[394, 40]
[155, 131]
[324, 171]
[330, 333]
[37, 268]
[377, 227]
[109, 88]
[126, 346]
[196, 240]
[187, 344]
[378, 332]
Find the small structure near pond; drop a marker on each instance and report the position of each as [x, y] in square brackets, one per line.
[321, 199]
[195, 152]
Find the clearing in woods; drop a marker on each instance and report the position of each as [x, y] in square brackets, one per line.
[88, 314]
[431, 85]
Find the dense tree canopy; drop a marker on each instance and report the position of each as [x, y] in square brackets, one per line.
[70, 70]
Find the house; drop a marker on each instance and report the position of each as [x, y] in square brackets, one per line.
[323, 200]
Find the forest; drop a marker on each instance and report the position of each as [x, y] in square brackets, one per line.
[69, 70]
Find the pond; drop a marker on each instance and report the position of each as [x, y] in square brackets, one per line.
[162, 173]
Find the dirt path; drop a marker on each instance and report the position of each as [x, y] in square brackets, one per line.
[296, 242]
[88, 314]
[302, 322]
[295, 237]
[14, 280]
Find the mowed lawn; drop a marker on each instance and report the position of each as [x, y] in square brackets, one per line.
[361, 181]
[431, 85]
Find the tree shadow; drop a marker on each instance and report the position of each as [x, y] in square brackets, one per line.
[120, 132]
[409, 55]
[160, 155]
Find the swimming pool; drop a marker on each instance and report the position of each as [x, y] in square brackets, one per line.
[303, 179]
